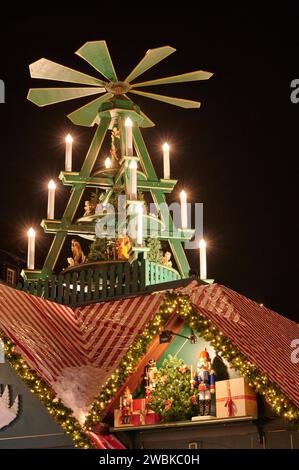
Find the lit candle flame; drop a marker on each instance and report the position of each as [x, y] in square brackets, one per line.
[202, 243]
[133, 165]
[128, 122]
[31, 232]
[51, 184]
[183, 195]
[69, 138]
[108, 163]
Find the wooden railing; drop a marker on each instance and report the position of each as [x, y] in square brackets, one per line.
[105, 282]
[156, 273]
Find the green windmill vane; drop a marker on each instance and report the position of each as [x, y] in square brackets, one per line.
[131, 170]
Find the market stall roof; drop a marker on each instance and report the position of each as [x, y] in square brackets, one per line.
[261, 334]
[76, 350]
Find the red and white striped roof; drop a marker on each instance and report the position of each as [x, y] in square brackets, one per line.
[261, 334]
[64, 344]
[58, 341]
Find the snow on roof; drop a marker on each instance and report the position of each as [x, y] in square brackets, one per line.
[74, 350]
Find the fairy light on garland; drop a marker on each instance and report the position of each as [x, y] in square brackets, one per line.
[182, 306]
[54, 405]
[173, 303]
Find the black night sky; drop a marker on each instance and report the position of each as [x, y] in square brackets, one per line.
[238, 153]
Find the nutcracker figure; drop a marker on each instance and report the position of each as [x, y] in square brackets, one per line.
[126, 406]
[204, 382]
[151, 376]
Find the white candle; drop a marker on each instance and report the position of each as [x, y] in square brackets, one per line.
[68, 152]
[132, 222]
[203, 259]
[139, 213]
[129, 137]
[133, 180]
[108, 163]
[166, 162]
[31, 248]
[51, 199]
[184, 218]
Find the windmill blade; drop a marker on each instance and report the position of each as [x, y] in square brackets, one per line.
[169, 99]
[46, 69]
[151, 58]
[184, 77]
[86, 115]
[96, 53]
[46, 96]
[147, 122]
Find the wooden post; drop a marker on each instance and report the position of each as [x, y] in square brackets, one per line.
[103, 285]
[76, 195]
[160, 201]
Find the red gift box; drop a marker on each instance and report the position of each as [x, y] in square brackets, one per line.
[145, 415]
[141, 414]
[135, 419]
[139, 411]
[139, 404]
[152, 418]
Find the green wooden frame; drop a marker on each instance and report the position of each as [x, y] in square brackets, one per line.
[147, 181]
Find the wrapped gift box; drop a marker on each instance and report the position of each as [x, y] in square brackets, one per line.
[139, 411]
[152, 418]
[235, 398]
[139, 404]
[141, 415]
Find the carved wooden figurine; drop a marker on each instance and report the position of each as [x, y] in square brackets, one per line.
[126, 406]
[124, 246]
[166, 259]
[78, 255]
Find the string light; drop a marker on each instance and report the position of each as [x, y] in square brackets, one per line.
[182, 306]
[54, 405]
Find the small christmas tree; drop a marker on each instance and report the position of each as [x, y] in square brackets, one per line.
[98, 250]
[172, 396]
[155, 253]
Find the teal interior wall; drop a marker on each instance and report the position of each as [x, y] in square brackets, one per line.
[181, 348]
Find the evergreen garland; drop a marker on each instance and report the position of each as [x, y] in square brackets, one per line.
[61, 413]
[181, 305]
